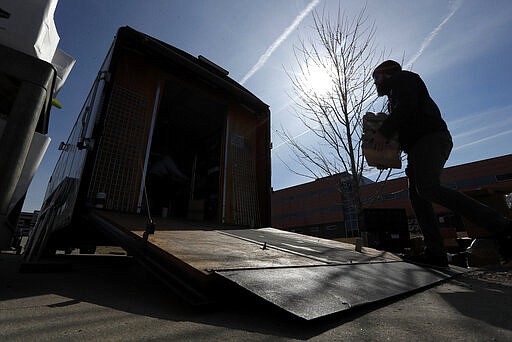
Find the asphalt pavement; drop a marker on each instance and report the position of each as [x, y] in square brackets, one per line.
[112, 298]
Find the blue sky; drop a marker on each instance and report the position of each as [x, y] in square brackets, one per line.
[460, 48]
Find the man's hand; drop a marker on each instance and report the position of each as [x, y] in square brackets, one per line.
[379, 141]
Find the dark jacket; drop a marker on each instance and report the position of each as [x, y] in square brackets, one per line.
[412, 112]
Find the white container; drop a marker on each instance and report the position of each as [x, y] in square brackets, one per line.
[30, 27]
[63, 64]
[101, 199]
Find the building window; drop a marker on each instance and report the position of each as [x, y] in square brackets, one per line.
[332, 227]
[504, 177]
[390, 196]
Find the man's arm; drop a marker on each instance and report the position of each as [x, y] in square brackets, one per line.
[404, 99]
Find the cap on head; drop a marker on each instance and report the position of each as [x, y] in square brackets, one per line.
[388, 67]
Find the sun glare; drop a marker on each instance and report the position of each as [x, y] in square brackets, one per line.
[318, 80]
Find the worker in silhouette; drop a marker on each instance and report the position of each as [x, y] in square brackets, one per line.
[424, 137]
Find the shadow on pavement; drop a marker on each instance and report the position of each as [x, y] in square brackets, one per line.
[118, 288]
[484, 297]
[119, 283]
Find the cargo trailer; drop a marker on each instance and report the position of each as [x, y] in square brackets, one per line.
[162, 134]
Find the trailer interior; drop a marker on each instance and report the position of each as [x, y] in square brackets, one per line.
[182, 179]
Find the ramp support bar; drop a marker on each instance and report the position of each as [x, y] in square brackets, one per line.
[158, 266]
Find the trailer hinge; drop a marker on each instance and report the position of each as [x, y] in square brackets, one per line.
[105, 75]
[87, 143]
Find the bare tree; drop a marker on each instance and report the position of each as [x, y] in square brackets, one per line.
[343, 50]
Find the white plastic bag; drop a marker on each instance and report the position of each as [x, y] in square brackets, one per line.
[30, 27]
[63, 64]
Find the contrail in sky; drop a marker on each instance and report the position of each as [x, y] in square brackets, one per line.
[478, 116]
[483, 139]
[279, 40]
[295, 137]
[426, 42]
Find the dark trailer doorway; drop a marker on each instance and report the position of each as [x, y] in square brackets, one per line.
[183, 174]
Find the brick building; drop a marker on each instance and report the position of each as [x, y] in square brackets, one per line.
[317, 208]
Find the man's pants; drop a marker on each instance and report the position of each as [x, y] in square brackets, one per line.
[425, 161]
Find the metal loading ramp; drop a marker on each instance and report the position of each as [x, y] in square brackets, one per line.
[314, 292]
[308, 277]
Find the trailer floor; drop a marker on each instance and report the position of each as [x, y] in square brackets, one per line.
[308, 277]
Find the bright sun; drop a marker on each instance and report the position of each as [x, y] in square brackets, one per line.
[318, 80]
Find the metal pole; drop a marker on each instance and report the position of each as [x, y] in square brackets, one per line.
[225, 180]
[148, 147]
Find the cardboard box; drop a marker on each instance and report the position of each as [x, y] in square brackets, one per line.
[390, 157]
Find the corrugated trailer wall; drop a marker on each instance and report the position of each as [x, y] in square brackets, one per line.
[247, 197]
[120, 161]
